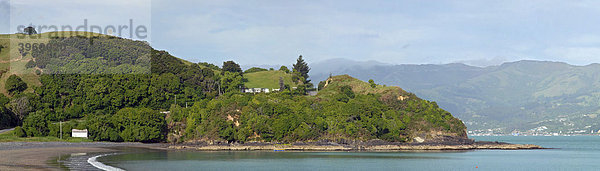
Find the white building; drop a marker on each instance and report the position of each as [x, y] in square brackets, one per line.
[79, 133]
[256, 90]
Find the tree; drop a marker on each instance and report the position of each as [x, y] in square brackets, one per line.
[284, 69]
[20, 107]
[14, 84]
[29, 30]
[230, 66]
[302, 69]
[372, 83]
[7, 118]
[141, 125]
[231, 81]
[35, 124]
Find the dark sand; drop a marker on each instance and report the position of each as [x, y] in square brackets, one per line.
[39, 155]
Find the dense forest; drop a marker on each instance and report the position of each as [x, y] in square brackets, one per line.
[346, 108]
[101, 84]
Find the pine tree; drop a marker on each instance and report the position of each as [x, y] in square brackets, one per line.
[302, 68]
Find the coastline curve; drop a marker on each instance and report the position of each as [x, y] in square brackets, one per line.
[102, 166]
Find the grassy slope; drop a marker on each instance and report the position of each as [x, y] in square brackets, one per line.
[11, 60]
[267, 79]
[10, 137]
[357, 85]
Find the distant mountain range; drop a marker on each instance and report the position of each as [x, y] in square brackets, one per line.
[523, 95]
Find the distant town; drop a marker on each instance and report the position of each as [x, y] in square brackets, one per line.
[562, 125]
[539, 131]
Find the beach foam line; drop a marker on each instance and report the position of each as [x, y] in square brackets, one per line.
[102, 166]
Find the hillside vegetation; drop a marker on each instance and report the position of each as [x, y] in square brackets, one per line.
[17, 50]
[518, 95]
[101, 82]
[346, 108]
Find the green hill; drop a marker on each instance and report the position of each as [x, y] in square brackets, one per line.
[346, 108]
[268, 79]
[16, 53]
[520, 95]
[422, 118]
[99, 80]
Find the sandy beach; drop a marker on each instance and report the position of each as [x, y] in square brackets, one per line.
[38, 155]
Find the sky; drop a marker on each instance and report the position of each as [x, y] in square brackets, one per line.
[474, 32]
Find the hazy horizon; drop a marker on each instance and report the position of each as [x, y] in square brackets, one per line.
[395, 32]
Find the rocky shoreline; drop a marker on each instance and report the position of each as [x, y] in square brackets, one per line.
[354, 146]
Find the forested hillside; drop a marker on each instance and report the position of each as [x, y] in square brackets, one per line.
[346, 108]
[101, 84]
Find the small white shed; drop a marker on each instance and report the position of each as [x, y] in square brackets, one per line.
[79, 133]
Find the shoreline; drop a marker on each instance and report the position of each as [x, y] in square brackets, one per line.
[49, 155]
[52, 155]
[380, 147]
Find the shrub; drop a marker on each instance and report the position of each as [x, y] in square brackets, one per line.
[14, 84]
[35, 125]
[19, 132]
[372, 83]
[30, 64]
[143, 125]
[284, 69]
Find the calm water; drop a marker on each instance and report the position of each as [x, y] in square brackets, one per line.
[573, 153]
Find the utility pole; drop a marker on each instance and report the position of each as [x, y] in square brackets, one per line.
[60, 125]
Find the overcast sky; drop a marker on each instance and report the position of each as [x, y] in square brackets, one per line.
[399, 32]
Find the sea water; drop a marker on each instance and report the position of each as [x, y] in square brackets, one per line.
[569, 153]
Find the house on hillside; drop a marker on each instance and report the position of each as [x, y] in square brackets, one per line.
[257, 90]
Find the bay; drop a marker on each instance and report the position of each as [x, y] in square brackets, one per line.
[568, 153]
